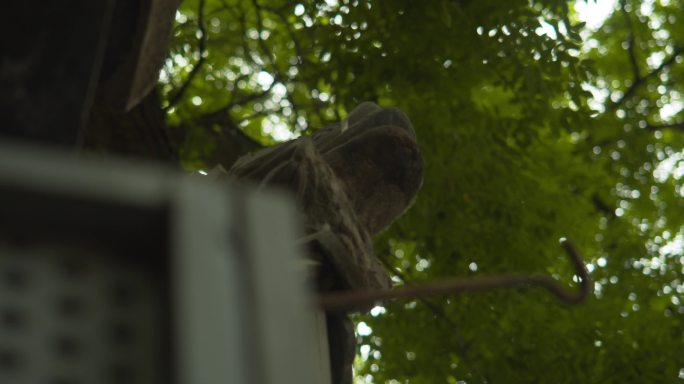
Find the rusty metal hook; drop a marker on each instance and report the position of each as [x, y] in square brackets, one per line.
[351, 300]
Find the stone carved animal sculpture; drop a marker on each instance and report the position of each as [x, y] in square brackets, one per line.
[352, 179]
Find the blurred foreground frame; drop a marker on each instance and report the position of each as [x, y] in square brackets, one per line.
[115, 271]
[121, 272]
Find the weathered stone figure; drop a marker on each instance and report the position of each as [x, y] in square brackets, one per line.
[352, 180]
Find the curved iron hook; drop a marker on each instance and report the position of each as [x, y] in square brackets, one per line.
[351, 300]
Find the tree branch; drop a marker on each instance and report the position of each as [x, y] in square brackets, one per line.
[436, 309]
[642, 80]
[202, 47]
[630, 42]
[679, 126]
[288, 27]
[602, 206]
[262, 44]
[221, 115]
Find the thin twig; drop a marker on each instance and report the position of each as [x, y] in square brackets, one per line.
[679, 126]
[220, 114]
[288, 27]
[349, 300]
[202, 47]
[630, 42]
[436, 309]
[642, 80]
[260, 41]
[242, 20]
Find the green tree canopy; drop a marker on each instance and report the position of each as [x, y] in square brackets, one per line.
[533, 127]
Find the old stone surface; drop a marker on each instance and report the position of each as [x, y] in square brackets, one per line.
[375, 156]
[339, 236]
[352, 179]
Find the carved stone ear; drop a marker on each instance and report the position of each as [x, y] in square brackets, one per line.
[362, 111]
[380, 117]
